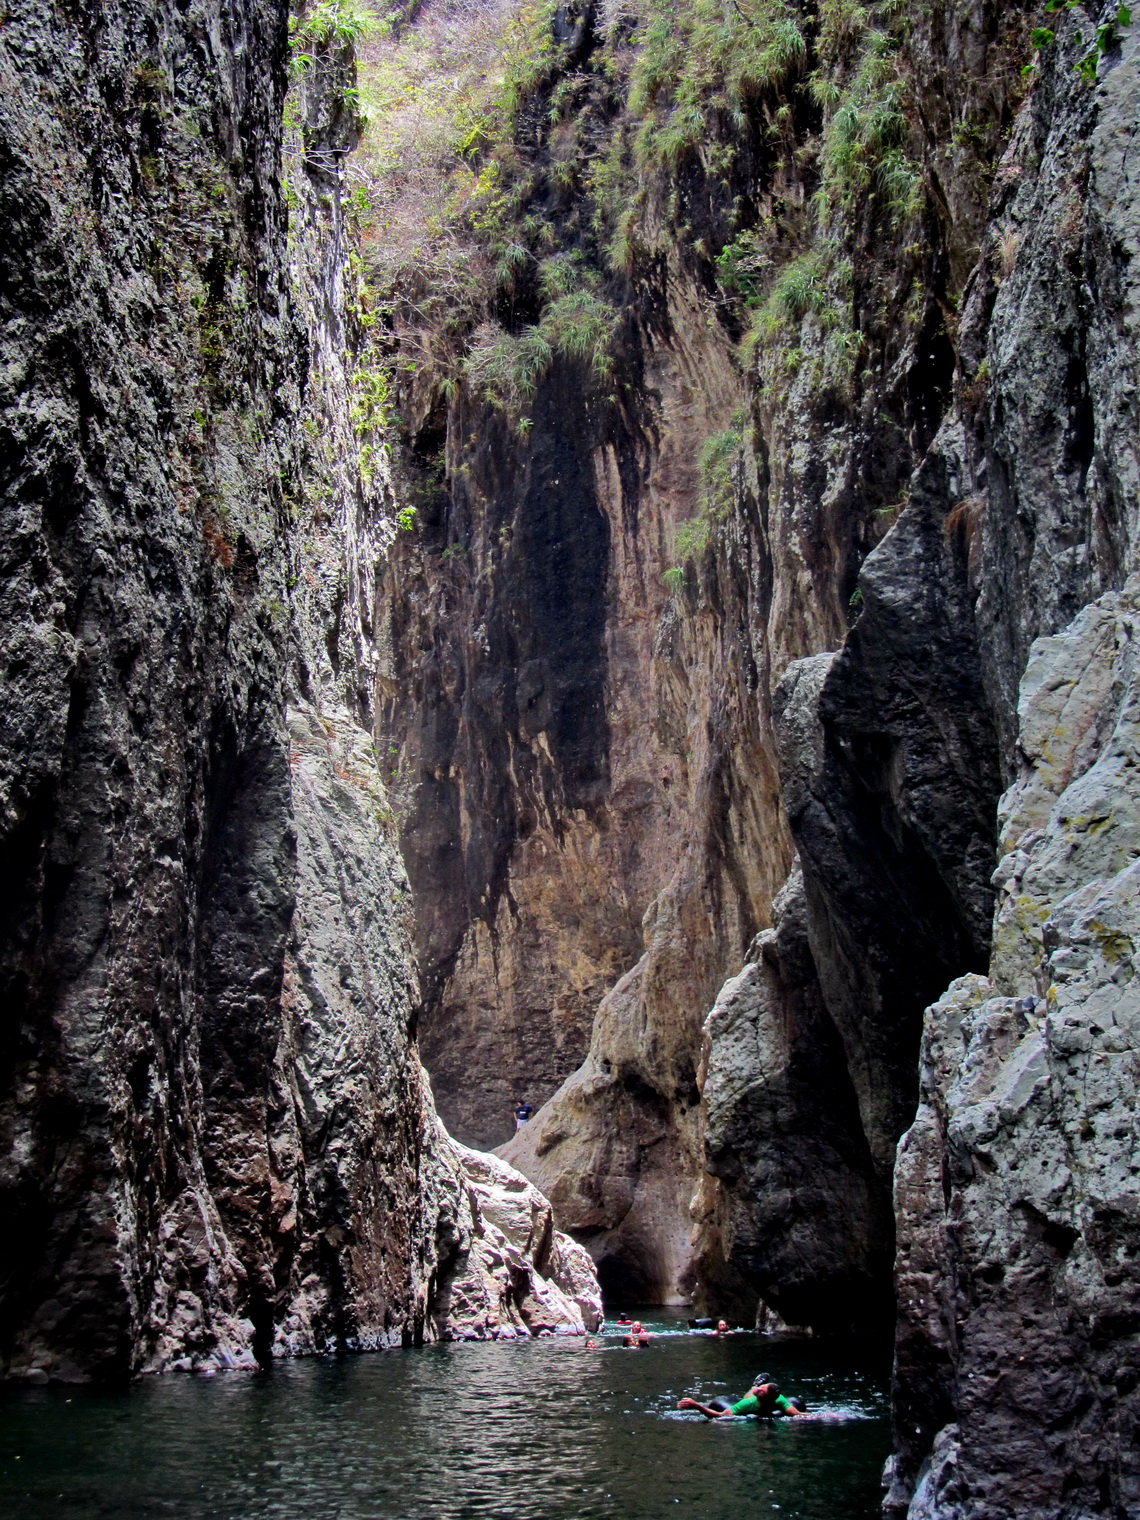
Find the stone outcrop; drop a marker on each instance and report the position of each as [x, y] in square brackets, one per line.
[793, 1210]
[1018, 1289]
[511, 1273]
[151, 373]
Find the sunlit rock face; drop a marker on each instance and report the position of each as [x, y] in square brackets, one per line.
[1017, 1279]
[599, 788]
[562, 731]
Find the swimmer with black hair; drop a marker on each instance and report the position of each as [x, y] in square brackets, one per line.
[763, 1399]
[638, 1335]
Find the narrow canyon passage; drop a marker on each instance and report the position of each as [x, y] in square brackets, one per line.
[577, 555]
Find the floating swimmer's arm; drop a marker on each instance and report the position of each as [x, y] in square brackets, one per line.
[706, 1409]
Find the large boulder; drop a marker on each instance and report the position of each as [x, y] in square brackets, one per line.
[510, 1273]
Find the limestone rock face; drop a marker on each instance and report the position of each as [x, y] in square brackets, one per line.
[216, 1140]
[1016, 1186]
[563, 728]
[588, 781]
[511, 1273]
[150, 379]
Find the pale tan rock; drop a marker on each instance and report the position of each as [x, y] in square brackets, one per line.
[510, 1274]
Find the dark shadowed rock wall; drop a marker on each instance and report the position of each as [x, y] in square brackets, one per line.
[151, 377]
[217, 1143]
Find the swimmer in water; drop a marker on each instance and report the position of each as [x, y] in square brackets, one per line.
[721, 1329]
[637, 1335]
[763, 1399]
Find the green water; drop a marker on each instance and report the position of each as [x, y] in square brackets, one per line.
[539, 1431]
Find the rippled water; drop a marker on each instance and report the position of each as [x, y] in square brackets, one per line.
[541, 1431]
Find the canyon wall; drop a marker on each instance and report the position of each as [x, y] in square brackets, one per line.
[1017, 1311]
[218, 1143]
[151, 373]
[935, 216]
[673, 608]
[586, 697]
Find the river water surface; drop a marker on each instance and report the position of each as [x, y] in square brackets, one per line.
[538, 1431]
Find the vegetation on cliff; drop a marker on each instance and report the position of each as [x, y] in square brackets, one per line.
[529, 174]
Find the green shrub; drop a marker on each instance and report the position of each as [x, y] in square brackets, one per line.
[716, 464]
[580, 326]
[703, 58]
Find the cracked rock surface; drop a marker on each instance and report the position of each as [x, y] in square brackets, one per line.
[1018, 1272]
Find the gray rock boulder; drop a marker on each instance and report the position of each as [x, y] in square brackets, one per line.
[512, 1274]
[796, 1211]
[1016, 1189]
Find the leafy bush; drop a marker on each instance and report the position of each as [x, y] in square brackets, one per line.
[505, 369]
[703, 58]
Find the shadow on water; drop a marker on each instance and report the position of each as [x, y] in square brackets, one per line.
[540, 1431]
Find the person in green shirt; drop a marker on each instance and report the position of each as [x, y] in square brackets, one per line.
[763, 1399]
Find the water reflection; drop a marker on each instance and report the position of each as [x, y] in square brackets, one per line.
[544, 1431]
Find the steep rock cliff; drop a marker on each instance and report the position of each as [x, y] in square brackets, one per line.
[218, 1142]
[151, 377]
[892, 754]
[1018, 1291]
[585, 758]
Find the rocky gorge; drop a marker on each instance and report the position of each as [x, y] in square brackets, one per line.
[592, 546]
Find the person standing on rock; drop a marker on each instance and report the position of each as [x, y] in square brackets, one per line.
[523, 1112]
